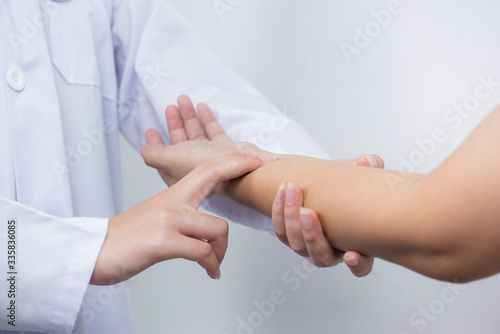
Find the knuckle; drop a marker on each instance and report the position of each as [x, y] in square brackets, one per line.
[204, 251]
[324, 257]
[160, 242]
[221, 228]
[290, 218]
[298, 248]
[210, 168]
[225, 228]
[310, 238]
[199, 136]
[146, 155]
[322, 264]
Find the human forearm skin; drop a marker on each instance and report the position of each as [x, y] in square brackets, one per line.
[381, 213]
[444, 225]
[360, 208]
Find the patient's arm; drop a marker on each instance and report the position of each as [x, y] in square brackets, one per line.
[444, 225]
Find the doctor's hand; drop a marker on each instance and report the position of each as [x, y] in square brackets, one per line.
[169, 225]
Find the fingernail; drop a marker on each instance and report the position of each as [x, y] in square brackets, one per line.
[351, 260]
[280, 196]
[290, 193]
[219, 275]
[371, 160]
[266, 158]
[306, 218]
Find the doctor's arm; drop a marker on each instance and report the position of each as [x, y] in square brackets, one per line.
[444, 225]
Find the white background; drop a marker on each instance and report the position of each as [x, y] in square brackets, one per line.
[394, 92]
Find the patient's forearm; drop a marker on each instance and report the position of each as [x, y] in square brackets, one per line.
[360, 208]
[443, 225]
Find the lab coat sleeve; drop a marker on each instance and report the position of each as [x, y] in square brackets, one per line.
[44, 284]
[160, 56]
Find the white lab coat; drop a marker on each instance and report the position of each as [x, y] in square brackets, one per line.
[93, 68]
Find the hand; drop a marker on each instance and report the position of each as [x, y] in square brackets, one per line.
[169, 225]
[174, 162]
[301, 229]
[194, 140]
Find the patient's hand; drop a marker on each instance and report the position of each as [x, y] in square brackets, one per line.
[176, 161]
[194, 140]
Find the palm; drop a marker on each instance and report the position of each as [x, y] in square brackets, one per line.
[184, 125]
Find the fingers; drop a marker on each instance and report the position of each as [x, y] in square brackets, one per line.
[202, 180]
[199, 251]
[278, 214]
[366, 160]
[352, 162]
[212, 127]
[184, 124]
[318, 247]
[154, 137]
[175, 125]
[152, 150]
[212, 229]
[370, 160]
[293, 226]
[300, 228]
[155, 155]
[192, 125]
[359, 264]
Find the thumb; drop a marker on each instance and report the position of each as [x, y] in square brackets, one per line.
[152, 152]
[202, 181]
[154, 137]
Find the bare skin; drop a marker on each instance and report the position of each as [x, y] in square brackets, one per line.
[444, 225]
[169, 226]
[184, 125]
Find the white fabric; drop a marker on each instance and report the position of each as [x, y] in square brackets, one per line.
[92, 68]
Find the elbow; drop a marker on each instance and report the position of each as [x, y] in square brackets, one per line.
[453, 256]
[447, 268]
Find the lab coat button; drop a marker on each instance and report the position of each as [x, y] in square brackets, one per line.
[16, 79]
